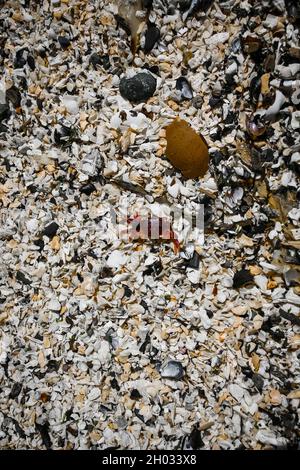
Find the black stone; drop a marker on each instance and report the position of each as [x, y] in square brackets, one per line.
[258, 382]
[40, 243]
[114, 384]
[20, 61]
[51, 230]
[53, 365]
[241, 278]
[14, 96]
[138, 88]
[195, 439]
[215, 101]
[151, 37]
[127, 291]
[102, 60]
[88, 189]
[216, 157]
[44, 432]
[152, 68]
[16, 390]
[293, 8]
[290, 317]
[155, 268]
[64, 42]
[4, 111]
[22, 278]
[31, 62]
[194, 261]
[42, 53]
[147, 4]
[135, 394]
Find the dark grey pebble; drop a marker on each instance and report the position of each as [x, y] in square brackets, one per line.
[193, 441]
[44, 432]
[197, 102]
[138, 88]
[102, 60]
[88, 189]
[14, 96]
[258, 382]
[50, 230]
[22, 278]
[194, 261]
[135, 394]
[151, 37]
[64, 42]
[20, 60]
[242, 278]
[15, 391]
[154, 269]
[4, 111]
[290, 317]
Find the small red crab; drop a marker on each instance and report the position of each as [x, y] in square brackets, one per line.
[151, 228]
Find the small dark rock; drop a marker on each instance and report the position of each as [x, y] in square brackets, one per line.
[185, 88]
[258, 382]
[4, 111]
[15, 391]
[127, 291]
[152, 68]
[64, 42]
[216, 157]
[194, 261]
[138, 88]
[147, 4]
[215, 101]
[44, 432]
[193, 441]
[135, 394]
[155, 268]
[50, 230]
[290, 317]
[114, 384]
[102, 60]
[88, 189]
[293, 8]
[40, 243]
[14, 96]
[31, 62]
[151, 37]
[197, 102]
[241, 278]
[20, 60]
[64, 135]
[22, 278]
[18, 428]
[53, 365]
[193, 6]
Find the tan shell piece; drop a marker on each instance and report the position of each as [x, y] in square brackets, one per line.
[187, 150]
[127, 10]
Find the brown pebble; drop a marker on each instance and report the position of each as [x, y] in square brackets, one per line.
[187, 150]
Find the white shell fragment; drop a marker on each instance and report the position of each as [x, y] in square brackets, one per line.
[186, 341]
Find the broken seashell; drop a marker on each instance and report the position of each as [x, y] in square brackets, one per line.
[187, 150]
[172, 370]
[255, 127]
[130, 13]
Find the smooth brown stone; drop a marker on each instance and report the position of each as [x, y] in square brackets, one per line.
[187, 150]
